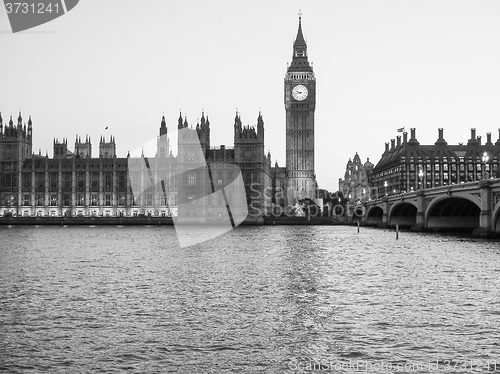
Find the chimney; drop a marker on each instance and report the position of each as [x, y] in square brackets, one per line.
[405, 137]
[393, 143]
[412, 130]
[398, 140]
[440, 140]
[479, 140]
[387, 147]
[488, 137]
[473, 134]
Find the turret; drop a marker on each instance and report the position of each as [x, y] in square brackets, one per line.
[202, 118]
[19, 144]
[30, 127]
[260, 127]
[237, 127]
[83, 150]
[162, 142]
[179, 121]
[163, 126]
[107, 149]
[204, 134]
[60, 149]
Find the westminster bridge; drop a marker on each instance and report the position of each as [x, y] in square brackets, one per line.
[469, 206]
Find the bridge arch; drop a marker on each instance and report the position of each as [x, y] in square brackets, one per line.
[453, 212]
[403, 213]
[374, 215]
[496, 219]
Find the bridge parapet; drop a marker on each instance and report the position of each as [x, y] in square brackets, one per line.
[444, 205]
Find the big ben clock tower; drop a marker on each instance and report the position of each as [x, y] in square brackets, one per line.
[300, 102]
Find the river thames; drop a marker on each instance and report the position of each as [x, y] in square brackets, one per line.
[268, 299]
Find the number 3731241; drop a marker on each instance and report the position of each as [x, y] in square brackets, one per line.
[32, 8]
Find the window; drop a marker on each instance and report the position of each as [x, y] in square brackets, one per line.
[53, 199]
[191, 179]
[108, 181]
[80, 199]
[121, 198]
[53, 181]
[94, 184]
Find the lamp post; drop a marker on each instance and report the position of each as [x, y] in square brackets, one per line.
[485, 159]
[420, 178]
[385, 185]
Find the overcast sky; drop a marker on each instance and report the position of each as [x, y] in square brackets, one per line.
[379, 65]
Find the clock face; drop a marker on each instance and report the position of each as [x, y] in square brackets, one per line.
[299, 92]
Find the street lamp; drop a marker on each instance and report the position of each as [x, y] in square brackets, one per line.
[485, 158]
[385, 185]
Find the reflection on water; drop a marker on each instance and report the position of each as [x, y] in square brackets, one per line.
[257, 299]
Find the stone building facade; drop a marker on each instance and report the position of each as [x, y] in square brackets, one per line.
[406, 165]
[77, 184]
[355, 186]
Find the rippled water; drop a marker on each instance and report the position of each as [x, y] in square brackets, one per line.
[257, 299]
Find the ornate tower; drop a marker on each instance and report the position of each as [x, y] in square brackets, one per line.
[162, 142]
[249, 155]
[15, 148]
[107, 149]
[203, 131]
[83, 150]
[60, 148]
[300, 103]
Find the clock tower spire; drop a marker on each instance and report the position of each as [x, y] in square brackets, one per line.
[300, 103]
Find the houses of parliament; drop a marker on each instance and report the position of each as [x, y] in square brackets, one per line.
[75, 183]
